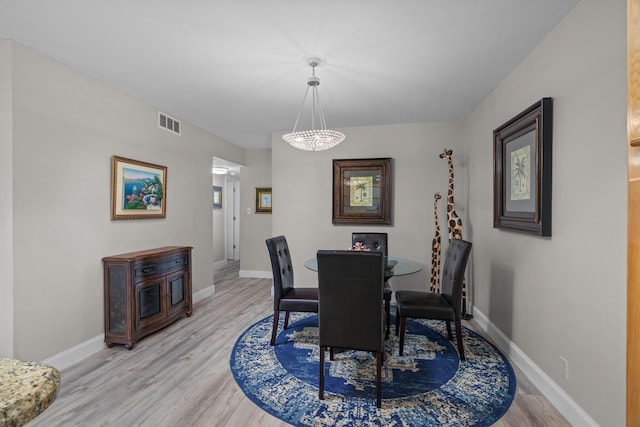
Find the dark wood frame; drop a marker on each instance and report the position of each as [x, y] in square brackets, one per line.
[378, 172]
[260, 207]
[217, 190]
[530, 212]
[118, 164]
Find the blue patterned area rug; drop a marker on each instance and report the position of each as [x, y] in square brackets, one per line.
[428, 386]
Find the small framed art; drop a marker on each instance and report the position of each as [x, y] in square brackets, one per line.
[217, 197]
[263, 200]
[138, 189]
[522, 171]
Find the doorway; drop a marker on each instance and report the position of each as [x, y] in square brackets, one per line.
[226, 218]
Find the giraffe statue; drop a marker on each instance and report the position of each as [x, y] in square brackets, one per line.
[453, 221]
[435, 248]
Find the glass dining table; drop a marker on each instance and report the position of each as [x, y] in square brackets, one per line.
[394, 266]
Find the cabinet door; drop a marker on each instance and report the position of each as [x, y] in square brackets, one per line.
[178, 293]
[149, 307]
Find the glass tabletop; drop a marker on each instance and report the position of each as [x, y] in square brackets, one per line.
[395, 265]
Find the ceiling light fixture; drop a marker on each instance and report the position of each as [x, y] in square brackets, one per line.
[314, 139]
[219, 171]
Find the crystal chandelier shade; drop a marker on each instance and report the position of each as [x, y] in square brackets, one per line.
[313, 139]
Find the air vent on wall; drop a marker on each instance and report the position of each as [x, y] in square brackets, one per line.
[168, 123]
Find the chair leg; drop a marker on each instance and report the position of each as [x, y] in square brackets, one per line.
[459, 337]
[449, 334]
[274, 328]
[379, 380]
[387, 309]
[321, 374]
[286, 319]
[331, 353]
[403, 324]
[397, 320]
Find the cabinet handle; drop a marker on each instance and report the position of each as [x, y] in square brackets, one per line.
[146, 270]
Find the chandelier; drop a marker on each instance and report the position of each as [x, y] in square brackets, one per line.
[313, 139]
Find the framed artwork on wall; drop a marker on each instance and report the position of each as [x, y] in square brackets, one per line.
[263, 200]
[217, 197]
[362, 191]
[138, 189]
[522, 171]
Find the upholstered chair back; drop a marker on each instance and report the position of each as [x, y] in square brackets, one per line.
[281, 266]
[350, 299]
[374, 241]
[453, 273]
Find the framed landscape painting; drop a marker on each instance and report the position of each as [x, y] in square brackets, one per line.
[138, 189]
[362, 191]
[522, 171]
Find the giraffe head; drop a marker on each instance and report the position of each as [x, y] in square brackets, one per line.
[447, 153]
[437, 196]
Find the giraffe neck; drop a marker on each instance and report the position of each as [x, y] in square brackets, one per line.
[450, 192]
[435, 216]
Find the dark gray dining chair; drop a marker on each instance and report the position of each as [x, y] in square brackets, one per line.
[287, 297]
[350, 308]
[378, 242]
[446, 305]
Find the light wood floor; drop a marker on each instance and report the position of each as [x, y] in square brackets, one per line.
[180, 376]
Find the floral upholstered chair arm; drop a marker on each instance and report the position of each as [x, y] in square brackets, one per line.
[26, 390]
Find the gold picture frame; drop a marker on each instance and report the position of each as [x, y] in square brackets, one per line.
[263, 200]
[138, 189]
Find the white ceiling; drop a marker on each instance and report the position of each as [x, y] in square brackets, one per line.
[237, 68]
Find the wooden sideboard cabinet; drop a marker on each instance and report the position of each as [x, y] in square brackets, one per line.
[145, 291]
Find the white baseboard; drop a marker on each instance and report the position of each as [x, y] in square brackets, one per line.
[204, 293]
[76, 353]
[552, 391]
[256, 274]
[93, 345]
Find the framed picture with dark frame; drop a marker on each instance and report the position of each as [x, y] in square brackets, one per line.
[362, 191]
[217, 197]
[263, 200]
[138, 189]
[522, 171]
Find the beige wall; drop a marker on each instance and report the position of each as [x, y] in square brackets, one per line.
[302, 183]
[66, 127]
[564, 296]
[6, 195]
[255, 228]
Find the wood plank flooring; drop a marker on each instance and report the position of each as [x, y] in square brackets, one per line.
[180, 376]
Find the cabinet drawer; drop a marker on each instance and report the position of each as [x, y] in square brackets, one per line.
[160, 266]
[146, 270]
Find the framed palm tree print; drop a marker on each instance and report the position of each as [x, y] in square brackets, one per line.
[362, 191]
[522, 171]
